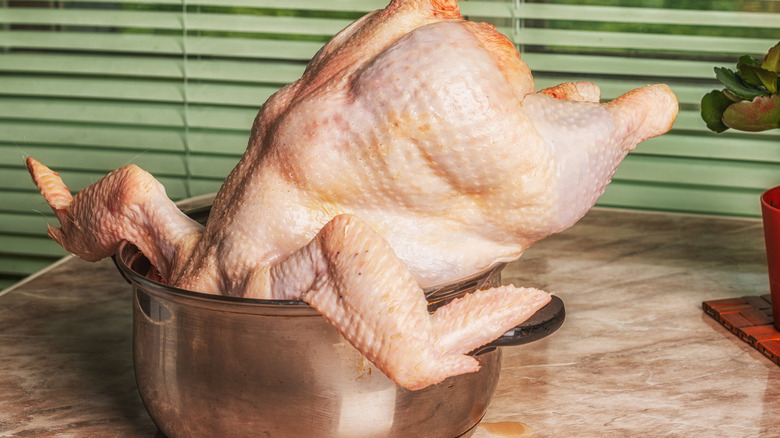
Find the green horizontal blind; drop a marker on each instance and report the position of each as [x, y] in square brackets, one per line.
[173, 85]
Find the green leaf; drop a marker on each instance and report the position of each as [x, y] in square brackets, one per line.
[760, 114]
[747, 60]
[772, 60]
[713, 104]
[736, 85]
[755, 75]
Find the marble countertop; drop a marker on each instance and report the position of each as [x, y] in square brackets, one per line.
[636, 355]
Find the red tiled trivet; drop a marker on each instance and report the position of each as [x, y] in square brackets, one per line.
[750, 318]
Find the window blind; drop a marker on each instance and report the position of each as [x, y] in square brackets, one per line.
[173, 85]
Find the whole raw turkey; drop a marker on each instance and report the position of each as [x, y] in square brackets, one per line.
[413, 151]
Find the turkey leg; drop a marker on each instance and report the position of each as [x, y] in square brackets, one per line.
[352, 277]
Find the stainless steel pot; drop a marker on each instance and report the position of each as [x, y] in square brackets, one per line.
[216, 366]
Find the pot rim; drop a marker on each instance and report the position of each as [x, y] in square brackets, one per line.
[128, 256]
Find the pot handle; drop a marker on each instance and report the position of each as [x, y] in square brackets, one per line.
[544, 322]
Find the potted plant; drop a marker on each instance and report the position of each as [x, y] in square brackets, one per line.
[751, 102]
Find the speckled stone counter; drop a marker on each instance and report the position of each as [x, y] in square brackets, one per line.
[635, 357]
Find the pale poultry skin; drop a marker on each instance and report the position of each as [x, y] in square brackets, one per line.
[414, 151]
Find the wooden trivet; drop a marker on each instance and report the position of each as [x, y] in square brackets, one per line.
[750, 318]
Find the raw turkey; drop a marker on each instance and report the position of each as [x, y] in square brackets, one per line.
[413, 151]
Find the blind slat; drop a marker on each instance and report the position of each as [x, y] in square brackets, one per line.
[25, 223]
[163, 164]
[140, 115]
[686, 199]
[173, 20]
[18, 134]
[15, 265]
[82, 111]
[722, 147]
[136, 90]
[253, 71]
[643, 41]
[86, 41]
[161, 44]
[107, 89]
[633, 15]
[94, 64]
[616, 65]
[100, 18]
[32, 246]
[695, 171]
[65, 134]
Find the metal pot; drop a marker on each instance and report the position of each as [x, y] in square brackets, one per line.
[210, 366]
